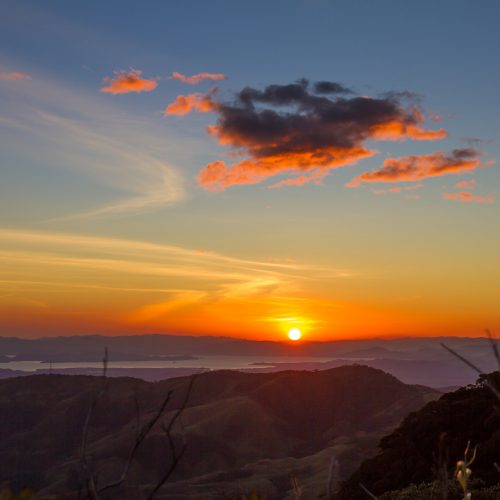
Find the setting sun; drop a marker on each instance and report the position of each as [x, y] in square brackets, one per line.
[294, 334]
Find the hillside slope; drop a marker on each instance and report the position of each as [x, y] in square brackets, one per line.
[242, 430]
[409, 455]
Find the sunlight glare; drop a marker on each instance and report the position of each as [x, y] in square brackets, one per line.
[294, 334]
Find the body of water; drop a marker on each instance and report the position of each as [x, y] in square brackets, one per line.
[211, 362]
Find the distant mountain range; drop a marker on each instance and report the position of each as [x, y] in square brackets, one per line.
[412, 360]
[243, 431]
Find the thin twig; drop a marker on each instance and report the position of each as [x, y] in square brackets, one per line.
[442, 467]
[368, 492]
[141, 436]
[87, 468]
[494, 347]
[176, 457]
[333, 474]
[464, 360]
[491, 386]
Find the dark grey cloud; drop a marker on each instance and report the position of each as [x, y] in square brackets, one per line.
[302, 126]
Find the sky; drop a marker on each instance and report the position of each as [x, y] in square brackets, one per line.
[243, 168]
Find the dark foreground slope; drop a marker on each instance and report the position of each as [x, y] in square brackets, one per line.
[242, 430]
[410, 454]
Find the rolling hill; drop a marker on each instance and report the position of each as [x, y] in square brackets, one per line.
[242, 430]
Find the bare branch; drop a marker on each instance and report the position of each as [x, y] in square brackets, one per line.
[494, 347]
[368, 492]
[141, 436]
[90, 478]
[461, 358]
[441, 467]
[184, 403]
[491, 386]
[176, 457]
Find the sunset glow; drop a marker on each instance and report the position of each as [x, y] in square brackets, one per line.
[165, 180]
[294, 334]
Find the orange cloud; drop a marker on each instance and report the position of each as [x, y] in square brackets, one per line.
[128, 81]
[316, 177]
[299, 128]
[466, 196]
[188, 103]
[199, 77]
[469, 184]
[414, 168]
[16, 75]
[398, 189]
[217, 176]
[398, 130]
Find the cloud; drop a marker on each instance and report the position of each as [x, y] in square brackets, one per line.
[92, 137]
[56, 282]
[17, 75]
[128, 81]
[316, 177]
[188, 103]
[468, 197]
[415, 168]
[468, 184]
[475, 142]
[195, 79]
[330, 88]
[296, 128]
[397, 189]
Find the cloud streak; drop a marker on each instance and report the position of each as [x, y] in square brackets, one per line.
[300, 127]
[197, 78]
[129, 81]
[16, 75]
[87, 135]
[467, 184]
[140, 281]
[468, 197]
[416, 168]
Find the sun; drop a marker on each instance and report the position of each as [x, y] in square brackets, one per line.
[294, 334]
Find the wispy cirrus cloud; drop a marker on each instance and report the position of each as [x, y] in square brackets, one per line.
[85, 134]
[468, 197]
[197, 78]
[397, 189]
[416, 168]
[466, 184]
[16, 75]
[127, 81]
[296, 128]
[138, 281]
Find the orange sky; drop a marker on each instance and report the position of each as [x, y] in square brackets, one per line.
[60, 283]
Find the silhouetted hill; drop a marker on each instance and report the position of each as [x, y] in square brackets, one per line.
[242, 430]
[409, 455]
